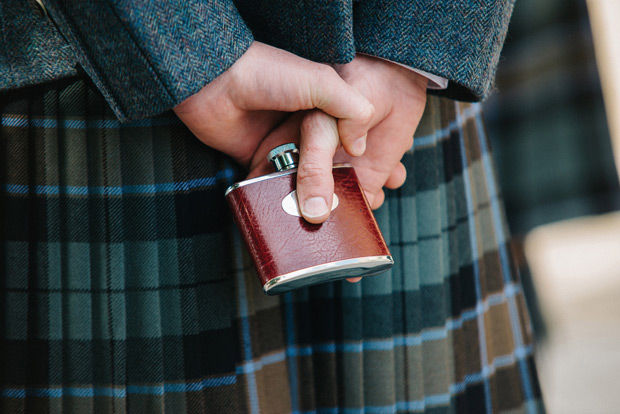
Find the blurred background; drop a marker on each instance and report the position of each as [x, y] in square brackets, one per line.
[555, 131]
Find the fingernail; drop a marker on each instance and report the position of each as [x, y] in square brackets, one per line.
[314, 207]
[354, 279]
[359, 146]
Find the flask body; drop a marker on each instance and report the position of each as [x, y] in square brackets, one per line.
[288, 252]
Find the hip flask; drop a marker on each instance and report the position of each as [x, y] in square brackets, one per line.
[287, 251]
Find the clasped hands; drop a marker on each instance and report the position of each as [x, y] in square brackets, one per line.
[364, 112]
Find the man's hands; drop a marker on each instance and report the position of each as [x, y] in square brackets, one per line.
[398, 96]
[270, 97]
[239, 108]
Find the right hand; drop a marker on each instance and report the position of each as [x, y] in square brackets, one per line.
[238, 109]
[398, 96]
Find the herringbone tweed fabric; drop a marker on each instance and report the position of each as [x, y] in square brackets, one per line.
[147, 56]
[124, 287]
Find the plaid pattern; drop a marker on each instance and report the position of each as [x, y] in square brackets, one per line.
[551, 138]
[124, 286]
[548, 126]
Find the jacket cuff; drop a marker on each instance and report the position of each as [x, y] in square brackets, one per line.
[147, 56]
[455, 40]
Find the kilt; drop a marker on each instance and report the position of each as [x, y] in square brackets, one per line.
[125, 287]
[548, 125]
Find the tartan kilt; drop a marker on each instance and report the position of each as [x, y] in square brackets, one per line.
[125, 288]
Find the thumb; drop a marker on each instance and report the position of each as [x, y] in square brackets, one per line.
[315, 183]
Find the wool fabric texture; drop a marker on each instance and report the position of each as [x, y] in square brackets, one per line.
[145, 57]
[125, 288]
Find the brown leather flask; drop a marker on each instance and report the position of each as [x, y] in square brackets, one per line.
[287, 251]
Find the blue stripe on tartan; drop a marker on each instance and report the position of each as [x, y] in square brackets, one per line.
[245, 325]
[21, 121]
[184, 387]
[413, 339]
[474, 252]
[293, 351]
[436, 399]
[253, 366]
[451, 324]
[503, 253]
[249, 367]
[444, 133]
[117, 392]
[72, 190]
[64, 392]
[50, 190]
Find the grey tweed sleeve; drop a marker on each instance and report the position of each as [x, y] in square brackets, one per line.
[459, 40]
[147, 56]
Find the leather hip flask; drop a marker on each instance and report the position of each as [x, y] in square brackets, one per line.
[287, 251]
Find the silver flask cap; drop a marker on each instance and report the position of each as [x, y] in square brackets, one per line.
[284, 157]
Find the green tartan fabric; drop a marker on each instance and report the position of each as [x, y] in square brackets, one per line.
[124, 286]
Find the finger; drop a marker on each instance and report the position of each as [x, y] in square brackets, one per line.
[354, 112]
[354, 279]
[267, 78]
[315, 183]
[378, 200]
[375, 198]
[397, 177]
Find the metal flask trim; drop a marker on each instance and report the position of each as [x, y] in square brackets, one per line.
[357, 267]
[360, 263]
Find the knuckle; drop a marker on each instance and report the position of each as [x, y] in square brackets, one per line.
[312, 121]
[309, 123]
[309, 172]
[320, 76]
[319, 132]
[367, 114]
[323, 70]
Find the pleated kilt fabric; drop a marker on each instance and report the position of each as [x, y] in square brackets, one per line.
[125, 287]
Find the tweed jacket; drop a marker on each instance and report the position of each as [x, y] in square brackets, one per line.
[146, 56]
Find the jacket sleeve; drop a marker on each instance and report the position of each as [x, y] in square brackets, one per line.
[146, 56]
[459, 40]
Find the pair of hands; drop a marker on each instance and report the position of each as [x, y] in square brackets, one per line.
[364, 112]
